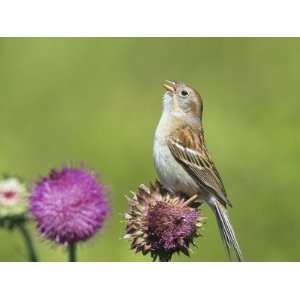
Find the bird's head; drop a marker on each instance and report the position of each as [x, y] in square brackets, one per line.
[182, 100]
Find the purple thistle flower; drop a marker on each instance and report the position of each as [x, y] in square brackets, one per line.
[170, 225]
[69, 205]
[161, 224]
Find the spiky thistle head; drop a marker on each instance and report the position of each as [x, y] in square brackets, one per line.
[69, 205]
[161, 224]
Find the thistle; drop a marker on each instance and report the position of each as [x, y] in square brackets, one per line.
[14, 209]
[13, 201]
[161, 224]
[69, 206]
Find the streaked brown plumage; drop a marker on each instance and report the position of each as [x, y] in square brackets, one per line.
[188, 147]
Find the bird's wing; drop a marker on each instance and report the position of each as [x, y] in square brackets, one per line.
[188, 148]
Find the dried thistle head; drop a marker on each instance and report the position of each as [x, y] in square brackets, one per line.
[161, 224]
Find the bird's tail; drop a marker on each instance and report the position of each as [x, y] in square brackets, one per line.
[226, 229]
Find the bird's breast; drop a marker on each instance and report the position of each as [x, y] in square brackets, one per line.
[171, 174]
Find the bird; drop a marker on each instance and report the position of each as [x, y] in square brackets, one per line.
[182, 161]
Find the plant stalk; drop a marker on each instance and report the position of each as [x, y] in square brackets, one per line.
[72, 252]
[32, 256]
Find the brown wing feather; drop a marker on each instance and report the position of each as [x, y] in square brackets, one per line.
[187, 145]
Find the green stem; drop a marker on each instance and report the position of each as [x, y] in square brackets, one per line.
[72, 252]
[29, 244]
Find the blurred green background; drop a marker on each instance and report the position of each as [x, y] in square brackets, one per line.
[98, 100]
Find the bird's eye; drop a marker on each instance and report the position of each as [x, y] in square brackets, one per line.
[184, 93]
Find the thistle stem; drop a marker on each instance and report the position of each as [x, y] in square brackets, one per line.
[32, 256]
[72, 252]
[164, 258]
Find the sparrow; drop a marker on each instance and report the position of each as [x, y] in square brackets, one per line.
[182, 161]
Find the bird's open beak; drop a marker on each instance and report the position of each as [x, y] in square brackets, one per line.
[170, 86]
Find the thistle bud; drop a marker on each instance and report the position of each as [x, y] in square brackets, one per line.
[13, 201]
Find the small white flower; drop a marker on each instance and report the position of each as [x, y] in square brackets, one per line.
[13, 197]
